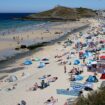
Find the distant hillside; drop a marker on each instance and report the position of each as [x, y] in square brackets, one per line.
[62, 13]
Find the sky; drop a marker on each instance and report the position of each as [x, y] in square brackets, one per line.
[41, 5]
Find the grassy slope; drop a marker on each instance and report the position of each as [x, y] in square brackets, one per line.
[64, 13]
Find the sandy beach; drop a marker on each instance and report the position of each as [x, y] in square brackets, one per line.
[28, 75]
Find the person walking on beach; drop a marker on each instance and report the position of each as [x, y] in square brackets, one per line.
[65, 69]
[84, 59]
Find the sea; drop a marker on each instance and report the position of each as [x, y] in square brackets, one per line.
[10, 22]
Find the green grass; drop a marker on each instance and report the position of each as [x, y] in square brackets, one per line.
[94, 98]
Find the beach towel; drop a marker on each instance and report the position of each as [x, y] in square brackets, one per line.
[66, 92]
[77, 86]
[72, 84]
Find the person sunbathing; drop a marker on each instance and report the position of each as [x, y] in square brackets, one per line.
[72, 77]
[45, 76]
[52, 79]
[35, 87]
[76, 71]
[51, 101]
[59, 60]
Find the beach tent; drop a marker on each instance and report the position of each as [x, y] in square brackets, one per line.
[103, 76]
[92, 79]
[41, 65]
[78, 77]
[12, 78]
[76, 62]
[27, 62]
[102, 57]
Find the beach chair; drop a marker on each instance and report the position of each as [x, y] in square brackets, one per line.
[66, 92]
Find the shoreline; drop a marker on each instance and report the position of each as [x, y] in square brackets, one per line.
[30, 42]
[36, 47]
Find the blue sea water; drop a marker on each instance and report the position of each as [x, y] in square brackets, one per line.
[8, 23]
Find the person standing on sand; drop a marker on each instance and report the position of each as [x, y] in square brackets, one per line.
[65, 69]
[41, 38]
[84, 59]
